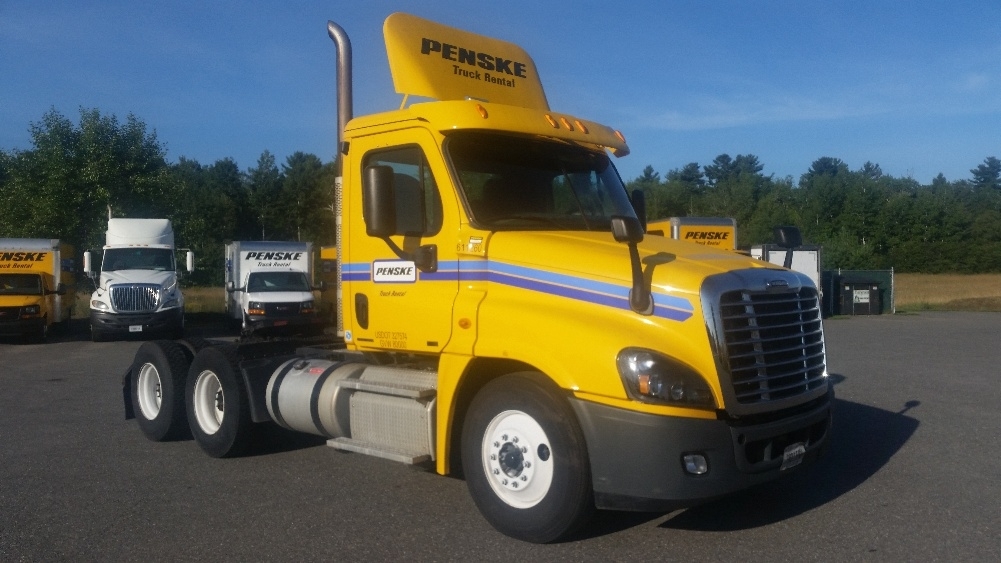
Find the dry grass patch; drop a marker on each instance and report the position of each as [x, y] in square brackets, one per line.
[948, 292]
[204, 300]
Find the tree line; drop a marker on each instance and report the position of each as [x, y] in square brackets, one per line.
[75, 174]
[863, 219]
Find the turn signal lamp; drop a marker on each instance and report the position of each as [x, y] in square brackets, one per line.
[255, 308]
[655, 378]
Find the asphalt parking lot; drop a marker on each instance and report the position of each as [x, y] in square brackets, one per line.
[913, 473]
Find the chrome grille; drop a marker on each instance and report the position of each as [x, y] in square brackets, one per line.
[769, 337]
[135, 298]
[775, 344]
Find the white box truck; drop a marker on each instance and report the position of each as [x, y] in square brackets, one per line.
[269, 287]
[136, 291]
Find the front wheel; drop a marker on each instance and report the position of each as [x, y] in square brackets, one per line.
[217, 404]
[525, 459]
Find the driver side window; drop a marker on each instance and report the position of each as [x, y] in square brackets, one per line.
[418, 203]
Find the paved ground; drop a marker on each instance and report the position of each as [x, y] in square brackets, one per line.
[913, 474]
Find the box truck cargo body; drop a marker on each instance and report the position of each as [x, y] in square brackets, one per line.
[137, 289]
[36, 286]
[269, 286]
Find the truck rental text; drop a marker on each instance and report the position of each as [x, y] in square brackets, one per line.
[502, 314]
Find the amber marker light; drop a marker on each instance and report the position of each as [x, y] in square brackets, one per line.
[481, 110]
[620, 136]
[566, 123]
[465, 323]
[552, 121]
[580, 126]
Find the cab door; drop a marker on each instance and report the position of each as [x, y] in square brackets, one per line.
[390, 302]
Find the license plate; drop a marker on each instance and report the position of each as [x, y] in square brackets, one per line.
[135, 328]
[281, 323]
[793, 455]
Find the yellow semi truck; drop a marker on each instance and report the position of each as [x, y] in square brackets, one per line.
[502, 315]
[37, 286]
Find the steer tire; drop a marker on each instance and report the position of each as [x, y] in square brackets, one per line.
[525, 459]
[157, 388]
[217, 404]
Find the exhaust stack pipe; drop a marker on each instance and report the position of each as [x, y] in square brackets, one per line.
[344, 85]
[344, 114]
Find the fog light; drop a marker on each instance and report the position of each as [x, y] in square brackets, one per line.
[695, 464]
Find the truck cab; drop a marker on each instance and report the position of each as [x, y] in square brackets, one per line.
[137, 291]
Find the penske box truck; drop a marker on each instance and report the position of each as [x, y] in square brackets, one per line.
[136, 290]
[502, 316]
[269, 287]
[37, 286]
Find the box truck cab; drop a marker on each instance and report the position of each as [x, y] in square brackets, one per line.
[269, 287]
[137, 291]
[37, 286]
[504, 316]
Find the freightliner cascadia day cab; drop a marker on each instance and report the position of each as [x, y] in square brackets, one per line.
[269, 287]
[137, 292]
[37, 286]
[504, 317]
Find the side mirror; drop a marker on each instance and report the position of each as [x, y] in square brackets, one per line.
[788, 238]
[190, 261]
[627, 229]
[230, 287]
[378, 201]
[639, 206]
[88, 267]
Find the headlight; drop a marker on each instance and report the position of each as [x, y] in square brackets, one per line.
[306, 307]
[99, 305]
[255, 308]
[170, 303]
[31, 311]
[653, 377]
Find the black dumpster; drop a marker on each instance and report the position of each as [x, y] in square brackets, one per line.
[860, 298]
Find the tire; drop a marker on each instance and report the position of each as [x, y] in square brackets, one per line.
[39, 335]
[217, 405]
[158, 373]
[525, 459]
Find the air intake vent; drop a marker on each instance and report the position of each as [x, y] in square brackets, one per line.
[135, 298]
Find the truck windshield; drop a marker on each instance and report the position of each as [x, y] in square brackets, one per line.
[138, 258]
[519, 183]
[20, 284]
[277, 281]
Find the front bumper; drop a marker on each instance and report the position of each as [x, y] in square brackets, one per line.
[636, 458]
[262, 323]
[22, 326]
[166, 321]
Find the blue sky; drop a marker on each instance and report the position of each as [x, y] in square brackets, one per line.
[912, 86]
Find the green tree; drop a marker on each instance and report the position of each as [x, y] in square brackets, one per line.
[264, 184]
[988, 174]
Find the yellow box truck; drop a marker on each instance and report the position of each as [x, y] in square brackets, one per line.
[503, 315]
[37, 286]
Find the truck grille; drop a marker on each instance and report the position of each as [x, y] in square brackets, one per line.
[771, 341]
[135, 298]
[281, 309]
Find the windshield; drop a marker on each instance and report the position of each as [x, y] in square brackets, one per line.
[20, 284]
[138, 258]
[519, 183]
[277, 281]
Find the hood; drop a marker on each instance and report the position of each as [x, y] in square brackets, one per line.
[158, 277]
[19, 300]
[594, 262]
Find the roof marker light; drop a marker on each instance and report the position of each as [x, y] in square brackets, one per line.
[481, 110]
[552, 121]
[566, 123]
[620, 136]
[580, 126]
